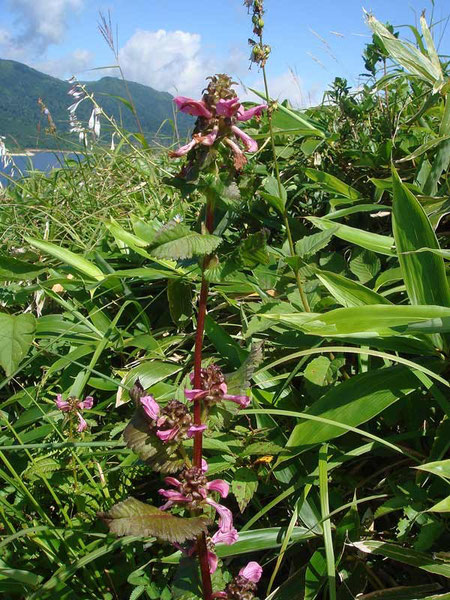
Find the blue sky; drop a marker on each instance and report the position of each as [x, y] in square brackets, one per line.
[173, 45]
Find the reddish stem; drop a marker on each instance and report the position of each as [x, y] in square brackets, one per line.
[198, 438]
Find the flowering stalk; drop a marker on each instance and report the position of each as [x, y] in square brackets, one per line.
[260, 54]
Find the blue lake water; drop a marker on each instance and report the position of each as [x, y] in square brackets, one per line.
[40, 161]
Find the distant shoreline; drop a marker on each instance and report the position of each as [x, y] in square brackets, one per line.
[33, 151]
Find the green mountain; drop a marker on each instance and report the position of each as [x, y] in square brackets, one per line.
[24, 125]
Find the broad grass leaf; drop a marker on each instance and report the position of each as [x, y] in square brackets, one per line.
[160, 456]
[177, 241]
[254, 540]
[441, 507]
[405, 555]
[353, 402]
[148, 373]
[16, 336]
[424, 272]
[376, 320]
[348, 292]
[381, 244]
[364, 264]
[333, 184]
[69, 258]
[14, 269]
[132, 517]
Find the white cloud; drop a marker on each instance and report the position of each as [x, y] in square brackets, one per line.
[37, 25]
[71, 64]
[287, 86]
[166, 60]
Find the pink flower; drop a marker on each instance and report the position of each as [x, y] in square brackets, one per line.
[227, 108]
[225, 516]
[250, 144]
[82, 423]
[74, 406]
[87, 403]
[167, 435]
[196, 108]
[62, 404]
[183, 149]
[225, 537]
[213, 560]
[214, 388]
[255, 111]
[252, 572]
[150, 406]
[193, 429]
[219, 485]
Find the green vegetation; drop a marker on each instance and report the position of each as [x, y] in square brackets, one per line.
[24, 126]
[329, 304]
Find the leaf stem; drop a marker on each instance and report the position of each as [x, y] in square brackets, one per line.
[295, 269]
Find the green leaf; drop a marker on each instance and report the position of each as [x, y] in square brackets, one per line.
[347, 292]
[69, 258]
[177, 241]
[148, 373]
[16, 336]
[140, 438]
[405, 555]
[186, 583]
[315, 575]
[364, 264]
[254, 541]
[423, 273]
[244, 486]
[179, 295]
[14, 269]
[253, 250]
[317, 370]
[380, 244]
[439, 467]
[376, 320]
[441, 507]
[353, 402]
[132, 517]
[333, 184]
[311, 244]
[424, 148]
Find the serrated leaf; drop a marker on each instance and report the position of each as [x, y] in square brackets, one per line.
[239, 380]
[364, 264]
[244, 485]
[42, 468]
[132, 517]
[262, 449]
[160, 456]
[177, 241]
[311, 244]
[16, 336]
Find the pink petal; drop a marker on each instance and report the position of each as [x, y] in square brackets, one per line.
[193, 429]
[82, 425]
[219, 485]
[213, 560]
[150, 406]
[223, 388]
[183, 149]
[208, 140]
[173, 481]
[225, 537]
[192, 377]
[173, 496]
[195, 394]
[167, 435]
[240, 159]
[87, 403]
[252, 571]
[62, 404]
[196, 108]
[243, 401]
[250, 144]
[227, 108]
[225, 516]
[255, 111]
[204, 466]
[220, 595]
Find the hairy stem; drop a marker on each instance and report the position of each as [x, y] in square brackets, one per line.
[295, 269]
[198, 438]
